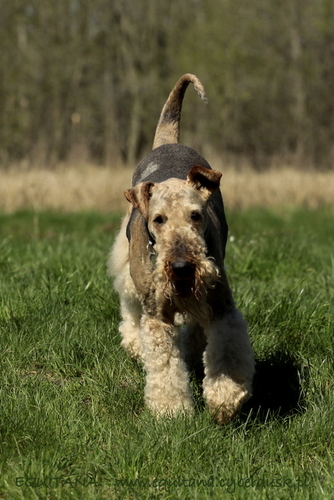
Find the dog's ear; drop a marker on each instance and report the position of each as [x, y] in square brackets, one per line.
[206, 181]
[140, 196]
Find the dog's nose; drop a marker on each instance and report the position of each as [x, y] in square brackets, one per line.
[182, 269]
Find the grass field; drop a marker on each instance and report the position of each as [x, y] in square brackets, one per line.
[73, 422]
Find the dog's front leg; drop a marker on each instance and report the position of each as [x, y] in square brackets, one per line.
[229, 366]
[167, 388]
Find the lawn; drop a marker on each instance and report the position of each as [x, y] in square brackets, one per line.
[73, 422]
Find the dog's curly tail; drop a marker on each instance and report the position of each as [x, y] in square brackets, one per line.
[168, 128]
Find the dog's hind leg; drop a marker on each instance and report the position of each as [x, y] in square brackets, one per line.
[130, 326]
[192, 344]
[131, 310]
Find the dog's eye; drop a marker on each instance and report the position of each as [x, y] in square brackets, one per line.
[195, 216]
[159, 219]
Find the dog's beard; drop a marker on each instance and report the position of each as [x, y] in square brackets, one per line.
[183, 288]
[188, 292]
[205, 276]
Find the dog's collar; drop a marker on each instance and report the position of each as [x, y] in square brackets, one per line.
[150, 248]
[151, 244]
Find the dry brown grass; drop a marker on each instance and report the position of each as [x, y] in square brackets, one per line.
[92, 188]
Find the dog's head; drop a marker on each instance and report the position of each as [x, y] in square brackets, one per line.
[176, 217]
[149, 197]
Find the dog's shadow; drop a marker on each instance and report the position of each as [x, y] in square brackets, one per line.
[277, 389]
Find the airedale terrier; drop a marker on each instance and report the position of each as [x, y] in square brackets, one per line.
[168, 268]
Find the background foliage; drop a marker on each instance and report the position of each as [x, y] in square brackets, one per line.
[88, 78]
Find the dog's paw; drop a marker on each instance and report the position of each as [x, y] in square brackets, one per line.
[171, 410]
[224, 397]
[169, 403]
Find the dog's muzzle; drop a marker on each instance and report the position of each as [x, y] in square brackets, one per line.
[183, 277]
[183, 269]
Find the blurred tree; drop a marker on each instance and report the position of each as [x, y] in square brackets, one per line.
[84, 77]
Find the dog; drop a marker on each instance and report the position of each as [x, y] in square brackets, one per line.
[168, 268]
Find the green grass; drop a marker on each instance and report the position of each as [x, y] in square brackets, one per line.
[72, 418]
